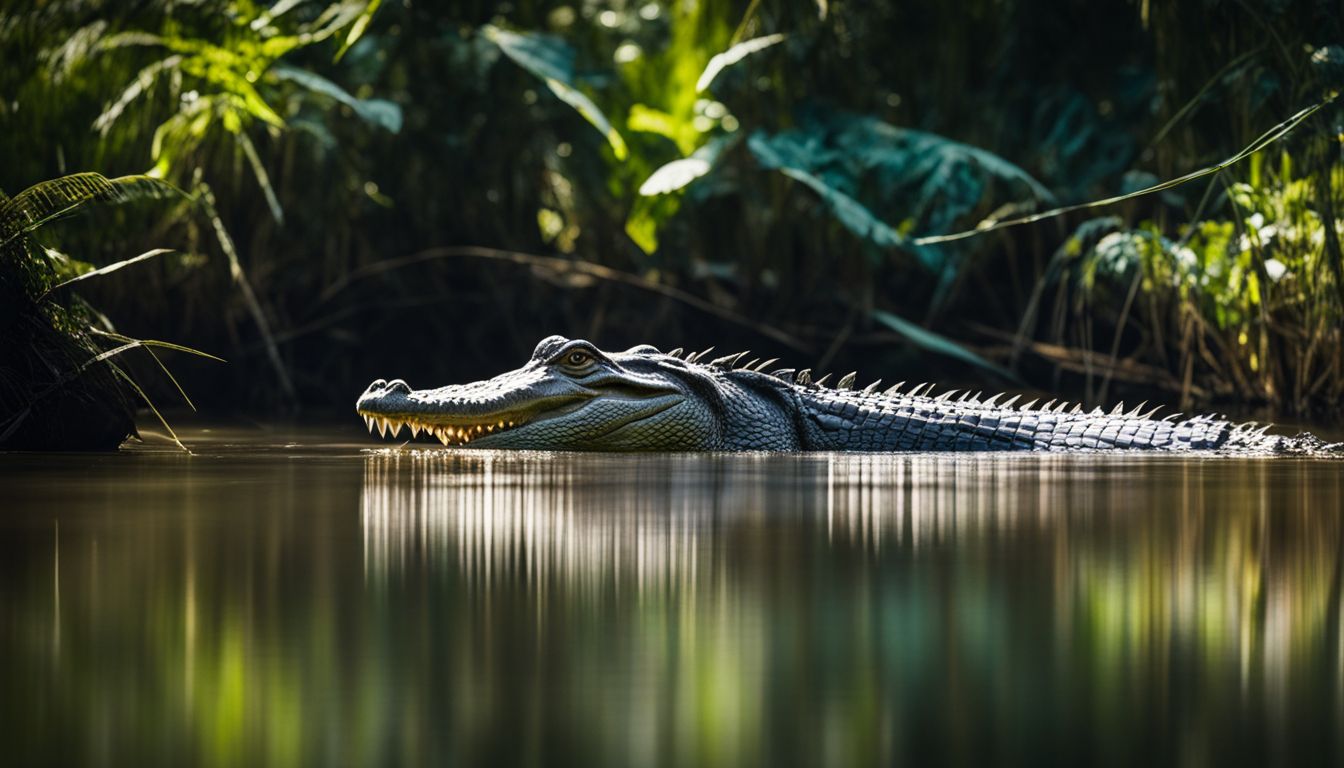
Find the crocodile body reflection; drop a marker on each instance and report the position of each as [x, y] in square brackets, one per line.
[1063, 593]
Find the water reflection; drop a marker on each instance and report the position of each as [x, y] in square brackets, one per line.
[949, 593]
[476, 608]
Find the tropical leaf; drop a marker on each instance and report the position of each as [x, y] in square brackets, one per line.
[379, 112]
[552, 61]
[49, 200]
[546, 57]
[728, 58]
[938, 344]
[110, 268]
[675, 175]
[358, 28]
[849, 211]
[142, 82]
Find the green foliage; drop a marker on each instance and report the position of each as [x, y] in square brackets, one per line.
[229, 87]
[553, 62]
[59, 335]
[790, 168]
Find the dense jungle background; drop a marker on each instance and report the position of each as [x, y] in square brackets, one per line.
[323, 193]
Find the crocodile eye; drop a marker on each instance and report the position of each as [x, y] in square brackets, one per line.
[578, 359]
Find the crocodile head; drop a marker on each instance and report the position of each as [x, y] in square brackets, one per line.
[570, 395]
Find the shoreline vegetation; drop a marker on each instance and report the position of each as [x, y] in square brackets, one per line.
[321, 190]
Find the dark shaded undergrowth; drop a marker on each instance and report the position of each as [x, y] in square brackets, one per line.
[424, 191]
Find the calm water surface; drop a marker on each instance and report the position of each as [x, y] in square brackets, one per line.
[298, 598]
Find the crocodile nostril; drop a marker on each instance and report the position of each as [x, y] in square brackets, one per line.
[397, 385]
[378, 384]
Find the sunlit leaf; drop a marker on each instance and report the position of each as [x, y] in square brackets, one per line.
[585, 106]
[732, 56]
[358, 28]
[938, 344]
[110, 268]
[42, 203]
[681, 132]
[678, 173]
[674, 176]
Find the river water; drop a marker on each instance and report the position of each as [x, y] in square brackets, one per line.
[311, 598]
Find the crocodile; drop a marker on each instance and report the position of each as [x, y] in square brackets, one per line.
[571, 395]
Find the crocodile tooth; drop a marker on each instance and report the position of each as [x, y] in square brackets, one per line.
[382, 427]
[847, 381]
[395, 428]
[442, 434]
[415, 429]
[368, 422]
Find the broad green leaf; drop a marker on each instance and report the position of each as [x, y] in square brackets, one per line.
[647, 119]
[549, 58]
[552, 61]
[646, 217]
[938, 344]
[678, 173]
[674, 176]
[585, 106]
[376, 111]
[850, 212]
[732, 56]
